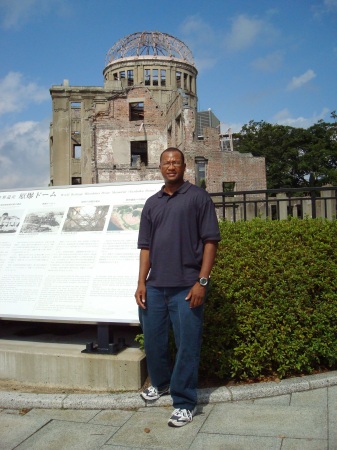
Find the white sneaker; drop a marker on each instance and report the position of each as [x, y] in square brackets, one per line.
[181, 417]
[152, 393]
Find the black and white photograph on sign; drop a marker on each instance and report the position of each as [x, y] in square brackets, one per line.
[42, 221]
[9, 221]
[125, 217]
[85, 218]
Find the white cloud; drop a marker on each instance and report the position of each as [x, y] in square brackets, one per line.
[269, 63]
[205, 63]
[199, 31]
[297, 82]
[331, 5]
[201, 39]
[283, 117]
[324, 8]
[226, 127]
[245, 31]
[15, 13]
[24, 155]
[16, 93]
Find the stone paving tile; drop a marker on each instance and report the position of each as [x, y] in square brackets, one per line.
[332, 405]
[15, 428]
[305, 444]
[148, 428]
[70, 415]
[332, 414]
[278, 400]
[267, 420]
[116, 418]
[333, 438]
[207, 441]
[60, 435]
[313, 398]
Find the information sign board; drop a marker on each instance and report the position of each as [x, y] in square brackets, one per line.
[70, 253]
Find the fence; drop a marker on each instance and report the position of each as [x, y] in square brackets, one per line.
[277, 204]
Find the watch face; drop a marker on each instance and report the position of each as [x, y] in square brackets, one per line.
[203, 281]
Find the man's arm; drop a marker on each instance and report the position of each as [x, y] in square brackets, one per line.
[144, 268]
[197, 293]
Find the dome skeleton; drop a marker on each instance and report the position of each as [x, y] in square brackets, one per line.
[152, 43]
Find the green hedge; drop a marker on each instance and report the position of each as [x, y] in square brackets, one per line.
[272, 308]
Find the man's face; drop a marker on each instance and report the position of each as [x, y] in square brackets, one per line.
[172, 167]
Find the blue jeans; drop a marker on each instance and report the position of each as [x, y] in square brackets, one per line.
[166, 306]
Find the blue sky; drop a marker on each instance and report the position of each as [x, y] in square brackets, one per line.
[257, 60]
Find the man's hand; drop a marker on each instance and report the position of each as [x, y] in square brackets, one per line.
[144, 267]
[196, 295]
[140, 295]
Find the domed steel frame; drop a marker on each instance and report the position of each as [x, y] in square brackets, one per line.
[149, 43]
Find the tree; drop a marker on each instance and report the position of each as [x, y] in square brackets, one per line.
[319, 158]
[295, 157]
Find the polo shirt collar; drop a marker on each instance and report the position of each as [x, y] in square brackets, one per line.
[183, 188]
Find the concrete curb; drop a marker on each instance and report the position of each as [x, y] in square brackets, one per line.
[15, 400]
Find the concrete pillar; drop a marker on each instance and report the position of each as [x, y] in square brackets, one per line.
[282, 206]
[330, 210]
[61, 142]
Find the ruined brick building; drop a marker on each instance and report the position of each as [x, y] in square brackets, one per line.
[116, 133]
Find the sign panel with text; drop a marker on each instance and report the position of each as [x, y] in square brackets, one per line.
[70, 253]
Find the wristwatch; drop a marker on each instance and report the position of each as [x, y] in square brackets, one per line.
[203, 281]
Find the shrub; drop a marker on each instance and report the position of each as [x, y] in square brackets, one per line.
[272, 307]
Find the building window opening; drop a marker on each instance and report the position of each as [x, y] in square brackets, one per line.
[130, 77]
[178, 79]
[155, 77]
[77, 151]
[200, 171]
[76, 180]
[274, 212]
[228, 186]
[186, 82]
[163, 77]
[136, 111]
[115, 76]
[122, 75]
[138, 153]
[147, 77]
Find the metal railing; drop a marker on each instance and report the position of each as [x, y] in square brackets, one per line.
[277, 204]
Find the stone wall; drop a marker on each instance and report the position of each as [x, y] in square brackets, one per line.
[103, 127]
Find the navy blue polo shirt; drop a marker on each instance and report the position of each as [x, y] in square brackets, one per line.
[174, 228]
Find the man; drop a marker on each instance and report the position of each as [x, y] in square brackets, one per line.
[178, 238]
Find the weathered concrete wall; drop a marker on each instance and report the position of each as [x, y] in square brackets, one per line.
[64, 366]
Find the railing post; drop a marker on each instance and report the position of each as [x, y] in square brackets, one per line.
[313, 204]
[267, 205]
[329, 204]
[282, 206]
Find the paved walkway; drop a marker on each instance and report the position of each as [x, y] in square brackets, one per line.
[295, 414]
